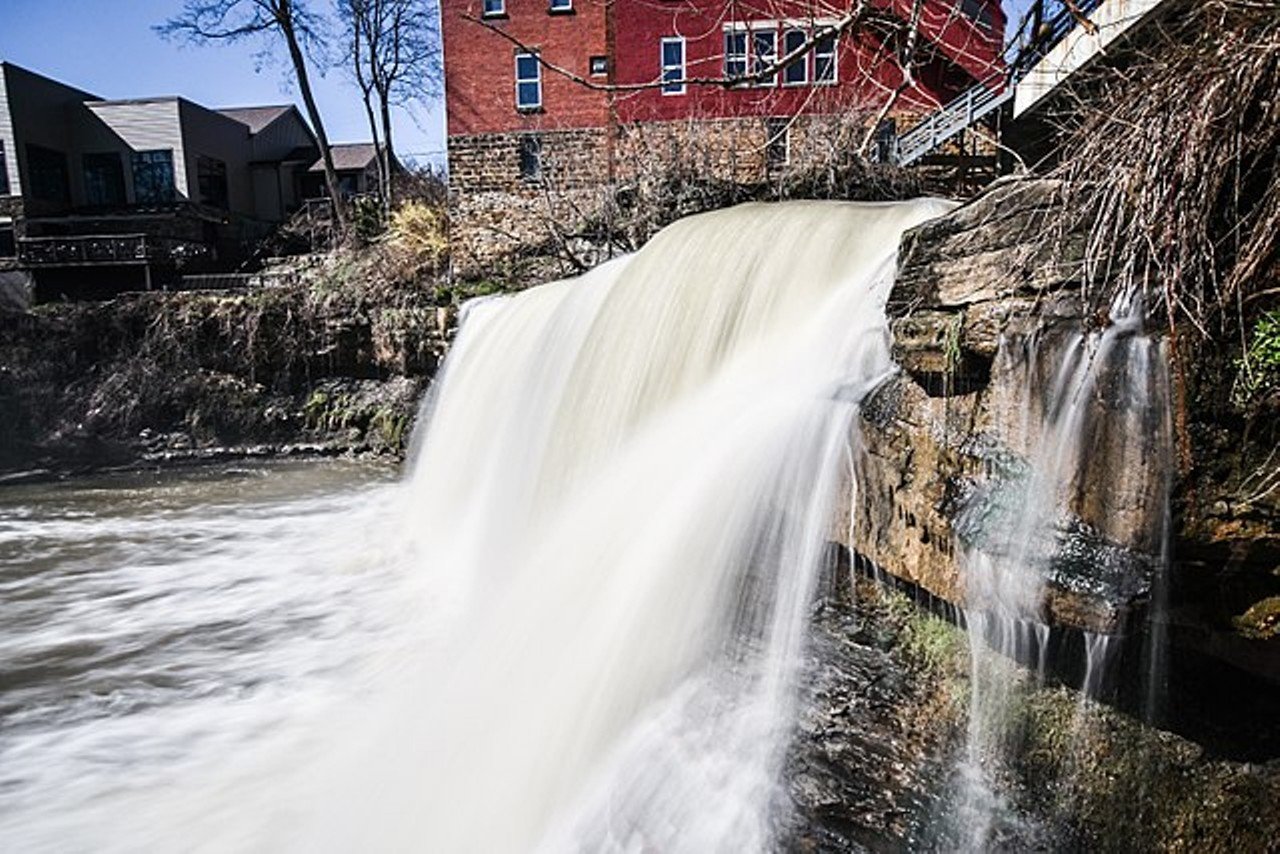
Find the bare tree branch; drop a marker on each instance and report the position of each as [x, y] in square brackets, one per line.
[203, 21]
[861, 13]
[394, 54]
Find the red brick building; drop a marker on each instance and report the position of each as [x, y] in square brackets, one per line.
[549, 101]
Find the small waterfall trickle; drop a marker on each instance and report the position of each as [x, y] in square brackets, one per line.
[1083, 496]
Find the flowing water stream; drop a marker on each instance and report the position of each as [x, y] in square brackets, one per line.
[574, 625]
[1087, 435]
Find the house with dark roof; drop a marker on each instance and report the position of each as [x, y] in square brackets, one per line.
[138, 192]
[357, 166]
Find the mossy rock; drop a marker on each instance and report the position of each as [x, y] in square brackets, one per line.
[1261, 621]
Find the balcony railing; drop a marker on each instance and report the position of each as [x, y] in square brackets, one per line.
[980, 101]
[105, 249]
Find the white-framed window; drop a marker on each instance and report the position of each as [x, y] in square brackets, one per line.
[8, 238]
[673, 66]
[735, 54]
[493, 8]
[528, 82]
[824, 60]
[797, 73]
[599, 66]
[764, 53]
[560, 5]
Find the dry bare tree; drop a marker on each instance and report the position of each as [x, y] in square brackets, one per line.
[212, 21]
[393, 53]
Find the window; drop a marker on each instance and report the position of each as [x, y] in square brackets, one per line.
[673, 66]
[886, 141]
[824, 60]
[735, 54]
[103, 179]
[797, 73]
[528, 82]
[4, 172]
[560, 6]
[8, 239]
[531, 157]
[211, 179]
[494, 8]
[777, 149]
[599, 65]
[153, 176]
[978, 12]
[47, 174]
[764, 50]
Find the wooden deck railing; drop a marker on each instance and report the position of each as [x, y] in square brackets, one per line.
[104, 249]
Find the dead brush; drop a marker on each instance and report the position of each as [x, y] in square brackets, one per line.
[1172, 173]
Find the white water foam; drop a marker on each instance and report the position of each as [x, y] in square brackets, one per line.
[615, 514]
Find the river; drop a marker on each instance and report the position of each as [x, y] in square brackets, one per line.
[157, 625]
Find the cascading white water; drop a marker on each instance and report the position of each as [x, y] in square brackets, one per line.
[605, 564]
[628, 479]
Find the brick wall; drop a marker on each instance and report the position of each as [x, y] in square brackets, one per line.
[480, 65]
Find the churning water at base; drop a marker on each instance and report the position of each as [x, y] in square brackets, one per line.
[577, 624]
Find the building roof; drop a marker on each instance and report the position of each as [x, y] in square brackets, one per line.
[348, 156]
[255, 117]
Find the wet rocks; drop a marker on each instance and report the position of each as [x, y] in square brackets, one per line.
[982, 316]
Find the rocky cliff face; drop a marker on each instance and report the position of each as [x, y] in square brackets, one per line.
[983, 316]
[198, 375]
[987, 320]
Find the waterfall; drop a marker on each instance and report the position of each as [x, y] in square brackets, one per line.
[626, 482]
[1087, 436]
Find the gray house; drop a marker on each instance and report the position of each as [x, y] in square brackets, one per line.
[356, 165]
[137, 189]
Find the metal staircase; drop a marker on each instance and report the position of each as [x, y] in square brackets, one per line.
[1047, 24]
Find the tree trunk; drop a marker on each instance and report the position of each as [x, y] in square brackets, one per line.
[385, 156]
[313, 113]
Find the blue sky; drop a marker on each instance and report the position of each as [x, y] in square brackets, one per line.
[107, 47]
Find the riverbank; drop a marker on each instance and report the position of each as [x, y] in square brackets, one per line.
[317, 367]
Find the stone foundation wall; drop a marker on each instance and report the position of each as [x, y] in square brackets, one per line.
[499, 207]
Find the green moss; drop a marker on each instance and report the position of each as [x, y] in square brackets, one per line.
[951, 344]
[1117, 784]
[388, 429]
[1105, 780]
[1261, 621]
[928, 643]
